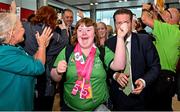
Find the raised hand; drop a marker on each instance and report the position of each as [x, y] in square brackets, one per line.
[62, 26]
[80, 14]
[123, 30]
[13, 7]
[44, 38]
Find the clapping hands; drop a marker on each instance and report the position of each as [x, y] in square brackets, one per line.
[44, 39]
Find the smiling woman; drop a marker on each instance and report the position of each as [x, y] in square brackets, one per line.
[85, 77]
[102, 32]
[17, 82]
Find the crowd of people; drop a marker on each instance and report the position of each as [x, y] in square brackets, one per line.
[93, 68]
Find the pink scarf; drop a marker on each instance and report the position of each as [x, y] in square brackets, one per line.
[84, 70]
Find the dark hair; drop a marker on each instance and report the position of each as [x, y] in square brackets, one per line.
[87, 22]
[141, 23]
[123, 11]
[46, 15]
[151, 7]
[66, 10]
[29, 19]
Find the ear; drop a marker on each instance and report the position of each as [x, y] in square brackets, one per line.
[11, 33]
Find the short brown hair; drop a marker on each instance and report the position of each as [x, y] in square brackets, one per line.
[123, 11]
[87, 22]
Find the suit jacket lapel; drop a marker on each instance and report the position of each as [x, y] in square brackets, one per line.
[134, 53]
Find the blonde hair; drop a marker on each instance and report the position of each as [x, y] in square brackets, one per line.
[7, 23]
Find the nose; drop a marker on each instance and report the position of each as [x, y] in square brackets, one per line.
[84, 32]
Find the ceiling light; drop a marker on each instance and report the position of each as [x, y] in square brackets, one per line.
[91, 4]
[120, 1]
[96, 3]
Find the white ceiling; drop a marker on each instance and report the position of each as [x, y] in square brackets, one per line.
[108, 4]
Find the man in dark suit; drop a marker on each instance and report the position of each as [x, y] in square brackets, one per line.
[65, 27]
[144, 66]
[67, 17]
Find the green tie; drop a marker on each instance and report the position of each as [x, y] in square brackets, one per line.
[128, 89]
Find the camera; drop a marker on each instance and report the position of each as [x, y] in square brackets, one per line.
[59, 21]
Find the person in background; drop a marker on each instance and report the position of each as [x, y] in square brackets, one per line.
[140, 26]
[102, 32]
[30, 17]
[18, 69]
[167, 35]
[110, 31]
[67, 17]
[85, 67]
[128, 87]
[134, 23]
[45, 87]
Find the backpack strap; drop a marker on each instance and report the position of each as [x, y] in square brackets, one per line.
[68, 51]
[102, 54]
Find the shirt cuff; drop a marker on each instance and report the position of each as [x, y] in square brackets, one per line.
[143, 81]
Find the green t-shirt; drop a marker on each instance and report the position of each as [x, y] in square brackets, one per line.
[97, 81]
[167, 44]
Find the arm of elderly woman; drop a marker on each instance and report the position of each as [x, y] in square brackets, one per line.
[43, 42]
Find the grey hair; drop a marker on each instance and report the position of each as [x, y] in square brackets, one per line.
[7, 22]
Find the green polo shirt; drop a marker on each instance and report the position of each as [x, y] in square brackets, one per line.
[97, 81]
[167, 44]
